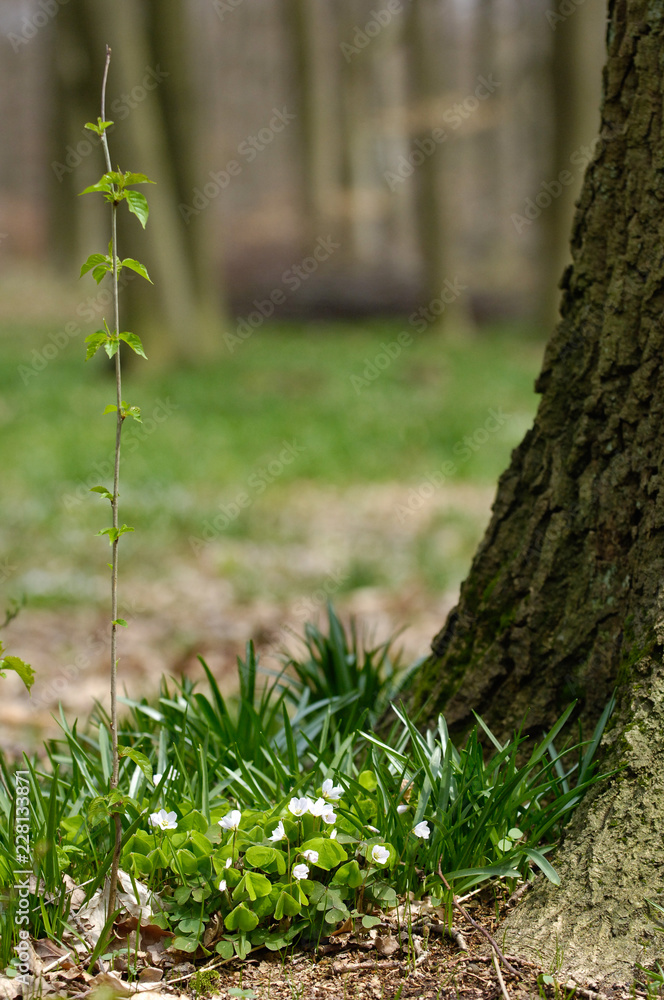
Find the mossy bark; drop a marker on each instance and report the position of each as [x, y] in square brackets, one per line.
[564, 597]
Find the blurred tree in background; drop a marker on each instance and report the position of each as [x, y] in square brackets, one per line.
[425, 139]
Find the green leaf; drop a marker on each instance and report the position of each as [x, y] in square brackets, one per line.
[104, 184]
[349, 874]
[138, 758]
[187, 861]
[134, 341]
[545, 866]
[225, 949]
[369, 921]
[334, 915]
[141, 865]
[131, 178]
[253, 885]
[119, 621]
[135, 265]
[241, 919]
[103, 491]
[111, 346]
[94, 260]
[194, 820]
[266, 858]
[23, 669]
[114, 533]
[189, 925]
[185, 943]
[286, 906]
[330, 852]
[99, 128]
[111, 408]
[138, 205]
[368, 780]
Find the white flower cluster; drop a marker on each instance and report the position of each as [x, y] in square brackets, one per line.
[300, 806]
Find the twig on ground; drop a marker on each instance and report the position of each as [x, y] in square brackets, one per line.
[503, 988]
[363, 966]
[479, 927]
[452, 932]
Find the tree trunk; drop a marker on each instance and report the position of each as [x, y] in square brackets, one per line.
[182, 316]
[576, 68]
[564, 598]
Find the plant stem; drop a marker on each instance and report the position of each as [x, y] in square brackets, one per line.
[114, 506]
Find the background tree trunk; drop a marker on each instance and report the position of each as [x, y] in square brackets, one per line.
[564, 597]
[182, 316]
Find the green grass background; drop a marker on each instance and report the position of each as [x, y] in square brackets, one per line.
[229, 419]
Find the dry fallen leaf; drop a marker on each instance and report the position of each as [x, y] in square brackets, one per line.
[387, 945]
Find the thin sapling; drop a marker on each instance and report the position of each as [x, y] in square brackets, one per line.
[115, 187]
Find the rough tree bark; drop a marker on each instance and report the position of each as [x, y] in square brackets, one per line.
[565, 596]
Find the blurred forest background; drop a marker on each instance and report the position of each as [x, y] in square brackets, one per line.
[361, 215]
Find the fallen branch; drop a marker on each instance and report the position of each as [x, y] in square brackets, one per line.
[503, 988]
[474, 923]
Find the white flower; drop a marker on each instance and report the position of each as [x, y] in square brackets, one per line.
[311, 856]
[402, 808]
[422, 830]
[231, 820]
[164, 820]
[229, 862]
[379, 854]
[333, 835]
[222, 885]
[318, 807]
[374, 829]
[170, 774]
[298, 807]
[329, 816]
[331, 791]
[300, 871]
[278, 833]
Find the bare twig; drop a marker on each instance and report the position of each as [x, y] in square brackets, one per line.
[503, 988]
[482, 930]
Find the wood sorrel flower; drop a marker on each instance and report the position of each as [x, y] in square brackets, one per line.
[300, 871]
[278, 833]
[330, 791]
[379, 854]
[298, 807]
[164, 820]
[422, 830]
[231, 820]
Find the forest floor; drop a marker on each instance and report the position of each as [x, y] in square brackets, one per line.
[188, 607]
[406, 957]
